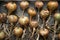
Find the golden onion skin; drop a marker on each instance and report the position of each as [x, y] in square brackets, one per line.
[2, 35]
[33, 24]
[39, 4]
[44, 32]
[31, 11]
[24, 5]
[52, 5]
[11, 6]
[24, 20]
[3, 17]
[57, 16]
[12, 18]
[44, 14]
[18, 31]
[59, 36]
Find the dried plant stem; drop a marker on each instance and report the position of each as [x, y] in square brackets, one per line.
[43, 24]
[11, 28]
[38, 15]
[10, 31]
[38, 18]
[37, 37]
[54, 30]
[5, 28]
[6, 31]
[30, 18]
[29, 29]
[23, 13]
[48, 19]
[9, 12]
[30, 21]
[33, 32]
[24, 33]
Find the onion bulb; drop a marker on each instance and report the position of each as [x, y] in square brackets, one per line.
[2, 35]
[3, 17]
[57, 16]
[59, 36]
[18, 31]
[33, 24]
[24, 4]
[11, 7]
[52, 5]
[12, 18]
[31, 11]
[24, 20]
[44, 32]
[39, 4]
[44, 14]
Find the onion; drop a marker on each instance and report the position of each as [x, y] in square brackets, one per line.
[39, 4]
[24, 20]
[33, 24]
[57, 16]
[44, 32]
[59, 35]
[24, 4]
[31, 11]
[2, 35]
[44, 14]
[12, 18]
[18, 31]
[52, 5]
[2, 17]
[11, 7]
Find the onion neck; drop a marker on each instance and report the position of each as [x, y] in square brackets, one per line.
[30, 18]
[43, 24]
[9, 12]
[38, 14]
[48, 19]
[23, 13]
[54, 30]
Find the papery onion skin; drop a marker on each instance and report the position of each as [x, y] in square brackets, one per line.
[11, 6]
[31, 11]
[39, 4]
[59, 35]
[57, 16]
[3, 17]
[18, 31]
[33, 24]
[52, 5]
[2, 35]
[24, 5]
[12, 18]
[44, 14]
[24, 20]
[44, 32]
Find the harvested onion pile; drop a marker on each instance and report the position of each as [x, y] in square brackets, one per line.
[34, 20]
